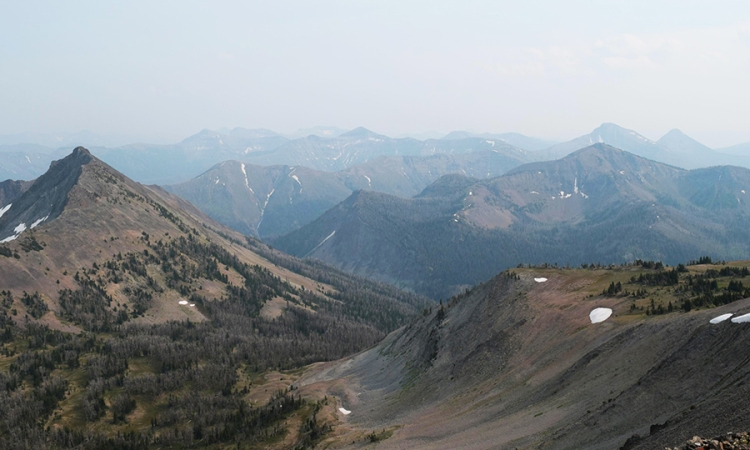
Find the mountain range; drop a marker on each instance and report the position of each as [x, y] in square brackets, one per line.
[599, 204]
[273, 200]
[131, 319]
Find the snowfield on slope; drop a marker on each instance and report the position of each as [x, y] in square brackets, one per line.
[600, 315]
[721, 318]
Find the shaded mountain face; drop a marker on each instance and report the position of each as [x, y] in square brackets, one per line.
[11, 190]
[517, 363]
[674, 148]
[599, 204]
[270, 201]
[148, 302]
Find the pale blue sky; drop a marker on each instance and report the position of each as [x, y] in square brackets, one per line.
[553, 69]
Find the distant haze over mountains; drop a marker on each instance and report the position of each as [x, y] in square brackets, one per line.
[273, 200]
[328, 148]
[599, 204]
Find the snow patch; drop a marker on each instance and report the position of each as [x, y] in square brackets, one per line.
[369, 181]
[492, 143]
[743, 191]
[600, 315]
[242, 166]
[721, 318]
[192, 305]
[345, 412]
[322, 242]
[5, 209]
[183, 302]
[9, 238]
[20, 228]
[37, 222]
[534, 192]
[575, 185]
[741, 319]
[622, 172]
[540, 280]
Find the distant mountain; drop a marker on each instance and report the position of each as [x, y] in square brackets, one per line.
[674, 148]
[320, 131]
[24, 161]
[272, 200]
[599, 204]
[175, 163]
[736, 150]
[607, 133]
[515, 139]
[361, 145]
[57, 140]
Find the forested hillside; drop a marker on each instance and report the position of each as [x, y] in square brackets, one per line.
[130, 320]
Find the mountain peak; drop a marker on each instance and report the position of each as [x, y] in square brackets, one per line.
[679, 142]
[359, 132]
[80, 151]
[457, 135]
[47, 197]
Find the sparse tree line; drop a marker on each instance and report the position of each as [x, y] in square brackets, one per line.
[192, 369]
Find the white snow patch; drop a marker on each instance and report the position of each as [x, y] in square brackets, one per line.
[721, 318]
[743, 191]
[600, 139]
[20, 228]
[322, 242]
[535, 192]
[741, 319]
[575, 185]
[622, 172]
[192, 305]
[217, 181]
[492, 143]
[471, 193]
[183, 302]
[9, 238]
[37, 222]
[600, 315]
[369, 181]
[27, 159]
[345, 412]
[5, 209]
[246, 183]
[540, 280]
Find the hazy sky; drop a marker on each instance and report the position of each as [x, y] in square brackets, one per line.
[553, 69]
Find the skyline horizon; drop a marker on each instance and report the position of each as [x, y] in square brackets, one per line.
[160, 71]
[126, 139]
